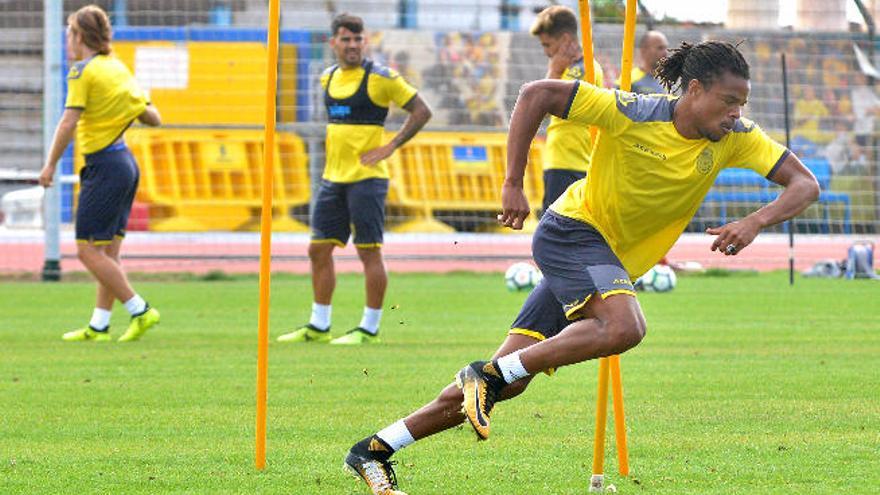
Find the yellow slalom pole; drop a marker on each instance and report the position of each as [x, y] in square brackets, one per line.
[266, 231]
[626, 63]
[597, 481]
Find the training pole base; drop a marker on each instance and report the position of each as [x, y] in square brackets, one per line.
[51, 271]
[597, 483]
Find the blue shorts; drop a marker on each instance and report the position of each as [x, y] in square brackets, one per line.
[343, 209]
[108, 184]
[556, 181]
[576, 263]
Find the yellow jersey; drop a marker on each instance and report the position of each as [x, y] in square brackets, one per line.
[357, 109]
[109, 97]
[647, 181]
[569, 145]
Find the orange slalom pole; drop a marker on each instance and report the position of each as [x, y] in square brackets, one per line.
[619, 419]
[587, 47]
[626, 63]
[629, 41]
[266, 231]
[587, 39]
[597, 481]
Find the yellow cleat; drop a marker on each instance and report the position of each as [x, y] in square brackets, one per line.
[306, 333]
[87, 334]
[140, 324]
[356, 336]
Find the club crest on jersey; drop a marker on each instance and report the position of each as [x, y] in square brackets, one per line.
[705, 162]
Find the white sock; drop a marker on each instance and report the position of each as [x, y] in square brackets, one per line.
[397, 436]
[320, 316]
[370, 320]
[512, 368]
[136, 305]
[100, 319]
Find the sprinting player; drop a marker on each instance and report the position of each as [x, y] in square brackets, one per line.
[653, 46]
[569, 145]
[103, 99]
[357, 94]
[655, 160]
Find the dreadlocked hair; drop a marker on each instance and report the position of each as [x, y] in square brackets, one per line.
[704, 62]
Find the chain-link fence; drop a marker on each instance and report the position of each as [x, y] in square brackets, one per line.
[204, 62]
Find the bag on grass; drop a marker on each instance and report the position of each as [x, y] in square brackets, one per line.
[826, 269]
[860, 261]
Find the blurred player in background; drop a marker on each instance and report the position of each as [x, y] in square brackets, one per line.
[656, 160]
[103, 99]
[351, 200]
[653, 46]
[569, 145]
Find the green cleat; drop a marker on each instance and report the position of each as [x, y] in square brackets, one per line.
[357, 336]
[87, 334]
[140, 324]
[306, 333]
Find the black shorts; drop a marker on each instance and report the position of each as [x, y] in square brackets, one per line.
[576, 263]
[343, 209]
[108, 184]
[556, 181]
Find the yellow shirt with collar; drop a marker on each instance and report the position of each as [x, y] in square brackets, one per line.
[646, 180]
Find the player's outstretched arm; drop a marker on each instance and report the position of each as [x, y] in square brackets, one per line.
[150, 116]
[801, 190]
[419, 114]
[536, 99]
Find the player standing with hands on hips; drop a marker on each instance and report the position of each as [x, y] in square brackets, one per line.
[357, 94]
[103, 99]
[656, 158]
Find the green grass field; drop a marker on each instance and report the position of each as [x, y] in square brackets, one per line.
[743, 385]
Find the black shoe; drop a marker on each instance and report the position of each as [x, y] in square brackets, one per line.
[480, 383]
[371, 465]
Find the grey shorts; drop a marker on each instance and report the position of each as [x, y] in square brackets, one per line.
[343, 209]
[576, 263]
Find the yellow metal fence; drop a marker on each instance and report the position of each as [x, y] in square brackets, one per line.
[448, 171]
[199, 180]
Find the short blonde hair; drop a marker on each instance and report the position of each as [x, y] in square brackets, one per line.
[555, 21]
[92, 23]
